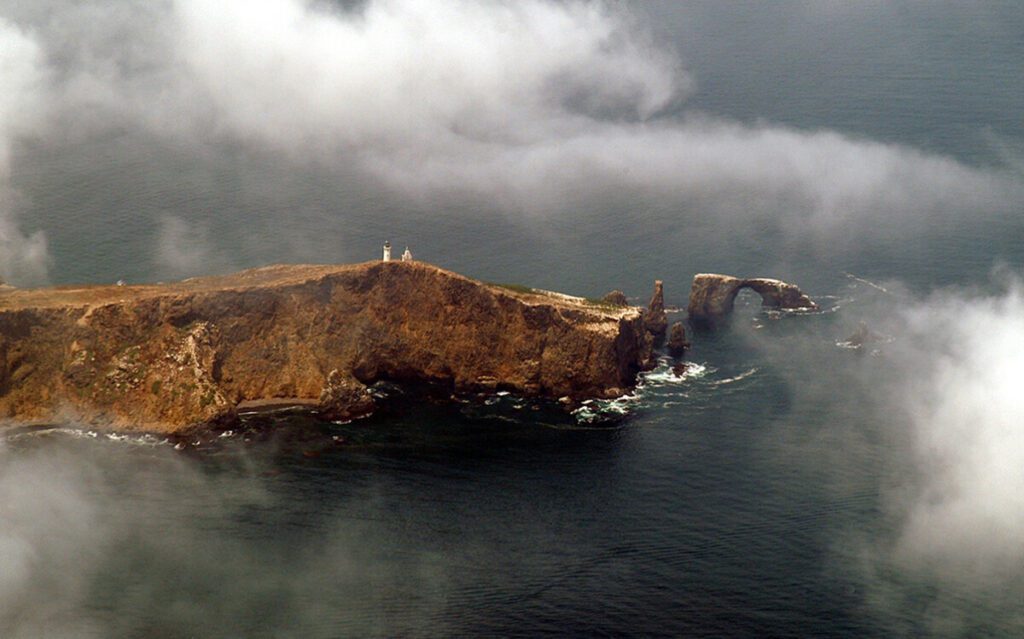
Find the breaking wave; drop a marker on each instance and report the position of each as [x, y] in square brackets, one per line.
[668, 384]
[734, 379]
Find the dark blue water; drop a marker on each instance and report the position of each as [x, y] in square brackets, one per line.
[753, 498]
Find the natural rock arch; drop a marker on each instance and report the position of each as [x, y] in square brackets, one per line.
[712, 296]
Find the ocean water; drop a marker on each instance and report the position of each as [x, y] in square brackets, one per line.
[762, 494]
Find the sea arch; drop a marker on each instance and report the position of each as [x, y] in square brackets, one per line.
[712, 296]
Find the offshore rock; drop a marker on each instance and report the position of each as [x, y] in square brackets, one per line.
[166, 357]
[345, 399]
[862, 336]
[655, 319]
[712, 296]
[677, 342]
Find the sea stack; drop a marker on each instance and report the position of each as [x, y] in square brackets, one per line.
[655, 319]
[677, 342]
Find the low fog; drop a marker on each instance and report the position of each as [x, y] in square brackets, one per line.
[953, 485]
[922, 423]
[967, 516]
[123, 539]
[535, 109]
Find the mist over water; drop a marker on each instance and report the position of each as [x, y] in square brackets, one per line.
[789, 485]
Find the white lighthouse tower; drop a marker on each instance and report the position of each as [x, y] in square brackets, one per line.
[387, 251]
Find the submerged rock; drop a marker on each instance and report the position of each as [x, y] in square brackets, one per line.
[861, 336]
[712, 296]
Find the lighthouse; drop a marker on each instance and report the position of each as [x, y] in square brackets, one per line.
[387, 251]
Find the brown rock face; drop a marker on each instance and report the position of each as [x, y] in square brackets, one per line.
[677, 342]
[345, 398]
[655, 319]
[712, 295]
[169, 356]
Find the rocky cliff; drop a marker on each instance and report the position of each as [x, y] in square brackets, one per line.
[712, 296]
[655, 318]
[164, 357]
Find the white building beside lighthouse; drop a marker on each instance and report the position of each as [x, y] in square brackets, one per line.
[407, 256]
[387, 251]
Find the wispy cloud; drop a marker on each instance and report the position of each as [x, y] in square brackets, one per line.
[932, 429]
[123, 539]
[23, 85]
[537, 108]
[185, 249]
[536, 105]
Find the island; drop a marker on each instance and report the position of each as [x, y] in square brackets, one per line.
[169, 357]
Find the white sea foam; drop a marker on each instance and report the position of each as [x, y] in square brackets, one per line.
[602, 409]
[877, 287]
[665, 373]
[736, 378]
[874, 340]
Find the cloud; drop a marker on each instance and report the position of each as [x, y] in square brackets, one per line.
[534, 108]
[537, 105]
[123, 539]
[964, 517]
[436, 77]
[928, 431]
[23, 258]
[920, 440]
[49, 524]
[185, 249]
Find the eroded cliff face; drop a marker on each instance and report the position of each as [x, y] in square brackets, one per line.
[712, 296]
[655, 319]
[170, 356]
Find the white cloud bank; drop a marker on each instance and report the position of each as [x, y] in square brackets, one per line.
[965, 516]
[532, 104]
[944, 557]
[534, 107]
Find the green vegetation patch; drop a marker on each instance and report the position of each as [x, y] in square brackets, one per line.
[602, 304]
[516, 288]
